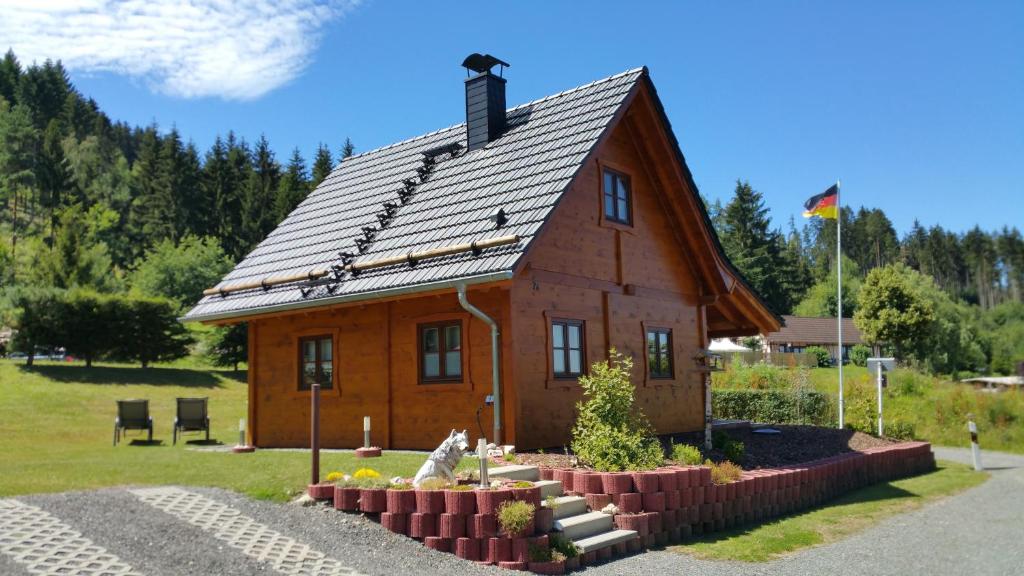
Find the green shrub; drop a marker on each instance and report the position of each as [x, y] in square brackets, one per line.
[724, 472]
[400, 486]
[686, 454]
[734, 451]
[509, 457]
[899, 430]
[610, 433]
[821, 356]
[773, 406]
[859, 355]
[514, 516]
[559, 543]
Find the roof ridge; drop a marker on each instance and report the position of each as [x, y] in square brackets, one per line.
[524, 104]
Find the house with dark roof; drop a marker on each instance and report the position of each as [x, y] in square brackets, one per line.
[468, 277]
[801, 332]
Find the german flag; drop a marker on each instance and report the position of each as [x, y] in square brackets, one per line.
[823, 205]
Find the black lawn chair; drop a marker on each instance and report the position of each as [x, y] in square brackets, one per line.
[191, 417]
[132, 415]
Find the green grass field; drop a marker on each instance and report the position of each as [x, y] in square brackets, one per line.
[841, 518]
[56, 432]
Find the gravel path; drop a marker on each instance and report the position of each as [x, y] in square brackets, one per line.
[977, 532]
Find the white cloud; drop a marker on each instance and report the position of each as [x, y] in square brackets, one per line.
[236, 50]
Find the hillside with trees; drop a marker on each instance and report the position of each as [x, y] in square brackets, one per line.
[944, 301]
[99, 216]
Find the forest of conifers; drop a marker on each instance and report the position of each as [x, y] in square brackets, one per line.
[93, 206]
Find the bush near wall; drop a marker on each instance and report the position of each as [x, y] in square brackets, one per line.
[772, 406]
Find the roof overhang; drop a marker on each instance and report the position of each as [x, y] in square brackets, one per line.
[231, 317]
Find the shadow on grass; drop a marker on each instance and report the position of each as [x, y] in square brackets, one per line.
[210, 442]
[122, 375]
[146, 443]
[875, 493]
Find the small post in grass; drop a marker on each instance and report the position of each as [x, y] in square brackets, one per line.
[366, 431]
[975, 449]
[315, 432]
[481, 452]
[880, 366]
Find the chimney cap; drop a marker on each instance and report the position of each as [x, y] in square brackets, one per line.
[481, 63]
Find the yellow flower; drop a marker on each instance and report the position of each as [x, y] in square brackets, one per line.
[335, 476]
[366, 473]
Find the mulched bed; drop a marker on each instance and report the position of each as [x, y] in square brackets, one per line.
[795, 444]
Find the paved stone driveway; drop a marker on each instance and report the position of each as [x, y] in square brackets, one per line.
[169, 531]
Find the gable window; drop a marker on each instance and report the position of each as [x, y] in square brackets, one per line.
[567, 359]
[659, 353]
[616, 197]
[316, 362]
[441, 352]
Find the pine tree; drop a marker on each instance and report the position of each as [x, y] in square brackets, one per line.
[151, 215]
[258, 195]
[19, 141]
[347, 149]
[10, 77]
[53, 174]
[231, 202]
[293, 187]
[753, 247]
[322, 165]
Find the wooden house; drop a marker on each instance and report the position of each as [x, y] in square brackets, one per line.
[571, 224]
[801, 332]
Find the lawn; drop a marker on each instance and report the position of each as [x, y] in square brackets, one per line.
[56, 428]
[840, 518]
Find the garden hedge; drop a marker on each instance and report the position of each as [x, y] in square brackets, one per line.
[772, 406]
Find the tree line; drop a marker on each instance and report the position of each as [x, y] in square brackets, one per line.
[959, 306]
[88, 203]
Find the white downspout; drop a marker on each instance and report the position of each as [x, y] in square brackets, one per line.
[495, 361]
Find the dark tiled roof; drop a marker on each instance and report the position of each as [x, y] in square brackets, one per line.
[815, 331]
[525, 172]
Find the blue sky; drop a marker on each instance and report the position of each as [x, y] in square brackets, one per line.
[917, 106]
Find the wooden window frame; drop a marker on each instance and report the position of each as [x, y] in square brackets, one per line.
[671, 375]
[442, 350]
[616, 218]
[301, 340]
[565, 323]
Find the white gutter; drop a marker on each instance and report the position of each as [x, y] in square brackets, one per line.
[495, 359]
[359, 297]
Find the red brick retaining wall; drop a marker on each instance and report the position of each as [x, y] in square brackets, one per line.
[667, 504]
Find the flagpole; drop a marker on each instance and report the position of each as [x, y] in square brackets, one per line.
[839, 290]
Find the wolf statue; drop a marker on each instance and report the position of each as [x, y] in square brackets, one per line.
[442, 462]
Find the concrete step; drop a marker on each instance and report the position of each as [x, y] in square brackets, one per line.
[584, 525]
[566, 506]
[604, 540]
[515, 472]
[549, 488]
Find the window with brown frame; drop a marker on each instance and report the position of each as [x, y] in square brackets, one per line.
[616, 198]
[441, 352]
[567, 348]
[659, 353]
[316, 362]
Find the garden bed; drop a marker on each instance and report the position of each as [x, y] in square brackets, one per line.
[795, 445]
